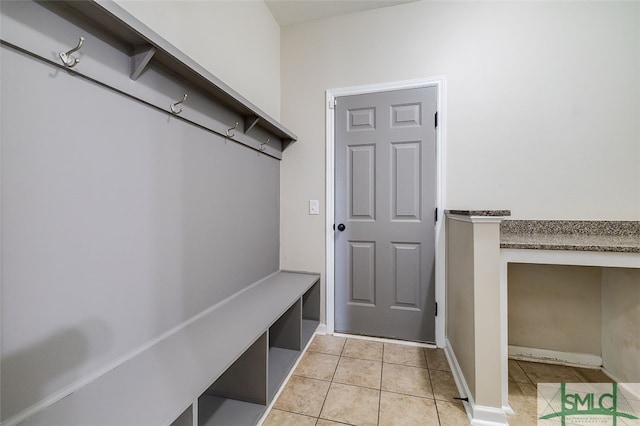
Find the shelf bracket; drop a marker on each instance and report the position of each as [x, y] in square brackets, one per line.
[286, 143]
[252, 121]
[140, 59]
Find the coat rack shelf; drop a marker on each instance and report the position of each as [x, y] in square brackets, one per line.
[161, 73]
[114, 19]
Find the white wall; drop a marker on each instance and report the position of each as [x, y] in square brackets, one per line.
[461, 314]
[543, 105]
[237, 41]
[620, 319]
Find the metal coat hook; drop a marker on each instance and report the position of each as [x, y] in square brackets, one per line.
[262, 145]
[174, 106]
[69, 60]
[229, 133]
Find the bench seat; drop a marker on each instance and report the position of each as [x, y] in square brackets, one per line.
[157, 385]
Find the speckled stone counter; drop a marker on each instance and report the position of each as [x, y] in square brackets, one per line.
[600, 236]
[488, 213]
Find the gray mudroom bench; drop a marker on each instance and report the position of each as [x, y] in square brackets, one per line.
[222, 368]
[155, 296]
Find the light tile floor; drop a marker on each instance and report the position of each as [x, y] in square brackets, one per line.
[360, 382]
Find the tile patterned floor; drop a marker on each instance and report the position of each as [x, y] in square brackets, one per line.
[359, 382]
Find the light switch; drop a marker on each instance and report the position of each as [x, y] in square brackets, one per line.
[314, 207]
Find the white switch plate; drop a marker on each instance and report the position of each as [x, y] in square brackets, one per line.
[314, 207]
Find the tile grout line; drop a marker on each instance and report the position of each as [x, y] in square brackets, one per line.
[380, 391]
[426, 360]
[525, 373]
[331, 381]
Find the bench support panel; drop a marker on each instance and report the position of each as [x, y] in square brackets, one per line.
[285, 332]
[246, 378]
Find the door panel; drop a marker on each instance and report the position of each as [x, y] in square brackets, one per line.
[405, 185]
[385, 197]
[361, 119]
[407, 276]
[362, 267]
[362, 182]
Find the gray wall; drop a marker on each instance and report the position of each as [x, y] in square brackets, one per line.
[119, 222]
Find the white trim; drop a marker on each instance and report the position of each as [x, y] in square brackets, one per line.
[476, 219]
[570, 257]
[488, 416]
[504, 335]
[632, 389]
[547, 257]
[478, 414]
[458, 377]
[554, 357]
[329, 276]
[386, 340]
[440, 84]
[322, 329]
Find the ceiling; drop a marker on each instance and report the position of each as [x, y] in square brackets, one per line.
[287, 12]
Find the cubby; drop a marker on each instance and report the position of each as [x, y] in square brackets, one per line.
[284, 346]
[239, 395]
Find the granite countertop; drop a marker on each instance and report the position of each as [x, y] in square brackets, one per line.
[488, 213]
[600, 236]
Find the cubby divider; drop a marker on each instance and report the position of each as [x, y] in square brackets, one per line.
[185, 419]
[310, 313]
[216, 411]
[239, 395]
[284, 346]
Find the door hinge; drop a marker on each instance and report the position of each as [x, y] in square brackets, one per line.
[435, 119]
[435, 215]
[436, 309]
[333, 103]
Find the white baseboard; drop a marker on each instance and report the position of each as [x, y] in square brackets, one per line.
[631, 389]
[554, 357]
[478, 414]
[322, 329]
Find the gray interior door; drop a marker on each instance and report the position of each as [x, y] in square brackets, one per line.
[385, 214]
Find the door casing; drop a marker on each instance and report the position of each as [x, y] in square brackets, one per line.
[331, 94]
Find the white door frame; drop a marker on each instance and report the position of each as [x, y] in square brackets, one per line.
[331, 94]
